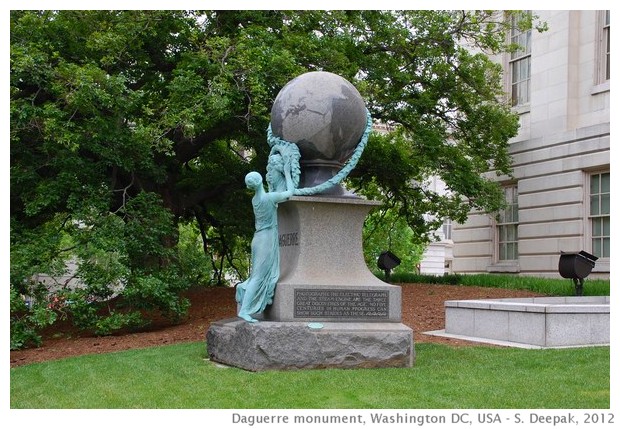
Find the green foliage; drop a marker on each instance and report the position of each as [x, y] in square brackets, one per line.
[127, 124]
[84, 311]
[125, 252]
[157, 292]
[116, 321]
[458, 377]
[446, 279]
[194, 263]
[27, 319]
[384, 230]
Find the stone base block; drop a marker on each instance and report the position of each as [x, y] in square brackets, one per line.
[295, 345]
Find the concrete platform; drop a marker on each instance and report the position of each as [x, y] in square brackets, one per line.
[547, 322]
[442, 333]
[297, 345]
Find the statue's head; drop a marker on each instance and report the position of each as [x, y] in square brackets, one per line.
[275, 172]
[253, 180]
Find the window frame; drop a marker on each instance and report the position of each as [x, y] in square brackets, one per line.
[507, 226]
[591, 217]
[498, 265]
[446, 229]
[602, 61]
[516, 60]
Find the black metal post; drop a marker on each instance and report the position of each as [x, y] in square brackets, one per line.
[578, 286]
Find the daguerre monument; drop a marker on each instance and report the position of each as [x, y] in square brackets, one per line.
[310, 300]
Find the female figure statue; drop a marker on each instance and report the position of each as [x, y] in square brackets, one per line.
[257, 291]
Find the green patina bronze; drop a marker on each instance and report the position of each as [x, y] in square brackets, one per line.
[257, 291]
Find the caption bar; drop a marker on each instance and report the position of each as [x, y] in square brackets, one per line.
[539, 418]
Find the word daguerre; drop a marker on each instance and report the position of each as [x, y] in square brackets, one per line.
[288, 239]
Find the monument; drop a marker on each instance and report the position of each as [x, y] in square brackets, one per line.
[322, 308]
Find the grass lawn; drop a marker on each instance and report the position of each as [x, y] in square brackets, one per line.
[180, 376]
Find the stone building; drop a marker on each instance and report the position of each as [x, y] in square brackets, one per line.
[559, 197]
[437, 257]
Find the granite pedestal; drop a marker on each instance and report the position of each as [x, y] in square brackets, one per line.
[329, 310]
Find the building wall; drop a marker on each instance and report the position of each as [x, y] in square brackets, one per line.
[437, 257]
[563, 138]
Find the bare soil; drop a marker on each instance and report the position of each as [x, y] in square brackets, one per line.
[423, 310]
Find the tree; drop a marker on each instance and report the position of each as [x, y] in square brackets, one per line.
[126, 123]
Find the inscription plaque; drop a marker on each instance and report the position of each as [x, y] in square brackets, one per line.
[341, 303]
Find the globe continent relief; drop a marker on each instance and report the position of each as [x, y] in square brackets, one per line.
[322, 113]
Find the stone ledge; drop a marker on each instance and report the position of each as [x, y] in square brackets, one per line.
[544, 322]
[294, 345]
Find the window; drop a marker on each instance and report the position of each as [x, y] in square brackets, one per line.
[599, 214]
[507, 227]
[603, 40]
[520, 63]
[447, 229]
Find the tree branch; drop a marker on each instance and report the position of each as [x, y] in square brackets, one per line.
[188, 149]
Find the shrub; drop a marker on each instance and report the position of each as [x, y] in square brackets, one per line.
[27, 319]
[116, 254]
[157, 292]
[446, 279]
[116, 321]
